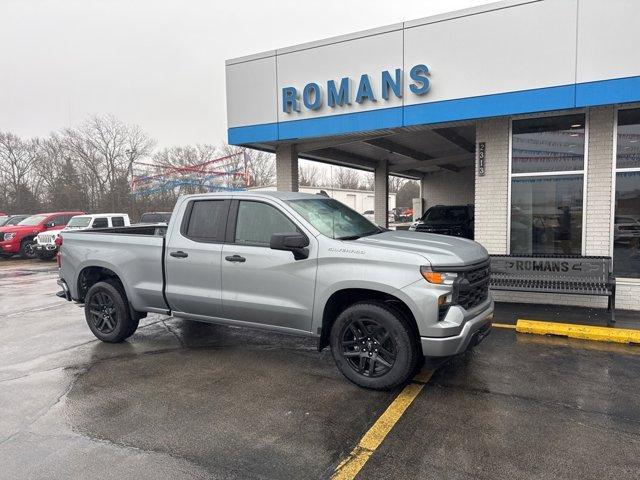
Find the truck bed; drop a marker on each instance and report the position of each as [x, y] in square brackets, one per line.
[135, 254]
[141, 229]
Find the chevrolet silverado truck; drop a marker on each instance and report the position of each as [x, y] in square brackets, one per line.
[288, 262]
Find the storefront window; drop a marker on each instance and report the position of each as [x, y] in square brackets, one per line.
[626, 223]
[547, 180]
[548, 144]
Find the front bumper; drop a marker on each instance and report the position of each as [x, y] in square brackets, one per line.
[45, 247]
[9, 247]
[473, 332]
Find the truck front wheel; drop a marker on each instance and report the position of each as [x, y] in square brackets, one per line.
[26, 249]
[107, 312]
[373, 346]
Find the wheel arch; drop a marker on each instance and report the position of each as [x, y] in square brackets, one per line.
[90, 275]
[342, 298]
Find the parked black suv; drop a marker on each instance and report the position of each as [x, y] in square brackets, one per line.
[454, 220]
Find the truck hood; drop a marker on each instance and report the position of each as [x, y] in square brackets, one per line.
[21, 229]
[437, 249]
[51, 232]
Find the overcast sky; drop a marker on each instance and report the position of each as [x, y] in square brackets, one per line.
[158, 63]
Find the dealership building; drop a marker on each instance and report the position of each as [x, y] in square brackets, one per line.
[530, 110]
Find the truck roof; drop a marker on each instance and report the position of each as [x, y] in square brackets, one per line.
[259, 194]
[103, 215]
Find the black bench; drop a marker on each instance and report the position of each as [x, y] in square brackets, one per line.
[571, 274]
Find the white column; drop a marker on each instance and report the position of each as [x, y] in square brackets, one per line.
[599, 181]
[286, 168]
[492, 189]
[381, 193]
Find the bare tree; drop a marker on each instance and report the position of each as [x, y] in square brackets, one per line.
[344, 177]
[106, 148]
[17, 159]
[260, 166]
[396, 183]
[310, 175]
[187, 164]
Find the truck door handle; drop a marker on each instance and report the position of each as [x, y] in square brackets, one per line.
[235, 259]
[179, 254]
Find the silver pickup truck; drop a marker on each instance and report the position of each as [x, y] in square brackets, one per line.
[294, 263]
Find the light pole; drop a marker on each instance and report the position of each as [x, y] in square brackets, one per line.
[131, 153]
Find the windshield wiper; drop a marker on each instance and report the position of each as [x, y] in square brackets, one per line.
[349, 237]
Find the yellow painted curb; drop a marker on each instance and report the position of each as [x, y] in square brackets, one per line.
[583, 332]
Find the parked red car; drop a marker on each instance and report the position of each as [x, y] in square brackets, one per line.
[20, 238]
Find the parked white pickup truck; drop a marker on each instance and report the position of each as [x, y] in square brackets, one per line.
[46, 247]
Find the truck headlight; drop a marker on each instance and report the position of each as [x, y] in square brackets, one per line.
[413, 226]
[9, 236]
[438, 278]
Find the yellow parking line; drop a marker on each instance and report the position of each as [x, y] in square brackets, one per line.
[504, 325]
[350, 466]
[583, 332]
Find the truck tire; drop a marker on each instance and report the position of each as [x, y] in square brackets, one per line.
[374, 345]
[26, 249]
[107, 312]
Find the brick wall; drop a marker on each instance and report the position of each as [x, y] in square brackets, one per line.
[381, 193]
[448, 188]
[491, 190]
[599, 173]
[491, 199]
[286, 168]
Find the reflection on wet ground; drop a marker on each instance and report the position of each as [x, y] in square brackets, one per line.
[190, 400]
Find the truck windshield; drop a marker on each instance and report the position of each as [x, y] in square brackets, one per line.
[33, 220]
[79, 222]
[334, 219]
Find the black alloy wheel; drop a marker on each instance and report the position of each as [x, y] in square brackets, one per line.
[104, 313]
[368, 347]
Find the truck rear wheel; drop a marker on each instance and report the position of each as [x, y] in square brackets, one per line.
[106, 310]
[373, 345]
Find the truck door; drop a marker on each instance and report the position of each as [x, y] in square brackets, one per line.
[192, 261]
[261, 285]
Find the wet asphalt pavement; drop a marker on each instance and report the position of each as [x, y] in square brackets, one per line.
[188, 400]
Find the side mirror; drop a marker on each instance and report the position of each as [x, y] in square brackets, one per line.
[292, 242]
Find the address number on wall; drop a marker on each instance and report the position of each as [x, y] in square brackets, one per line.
[482, 151]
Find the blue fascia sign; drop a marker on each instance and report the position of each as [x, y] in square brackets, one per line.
[341, 93]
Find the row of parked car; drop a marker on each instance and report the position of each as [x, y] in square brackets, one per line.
[35, 236]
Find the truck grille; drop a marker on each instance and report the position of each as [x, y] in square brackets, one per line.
[46, 239]
[474, 285]
[426, 229]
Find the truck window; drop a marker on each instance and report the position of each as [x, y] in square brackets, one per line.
[117, 221]
[207, 219]
[101, 222]
[257, 221]
[58, 220]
